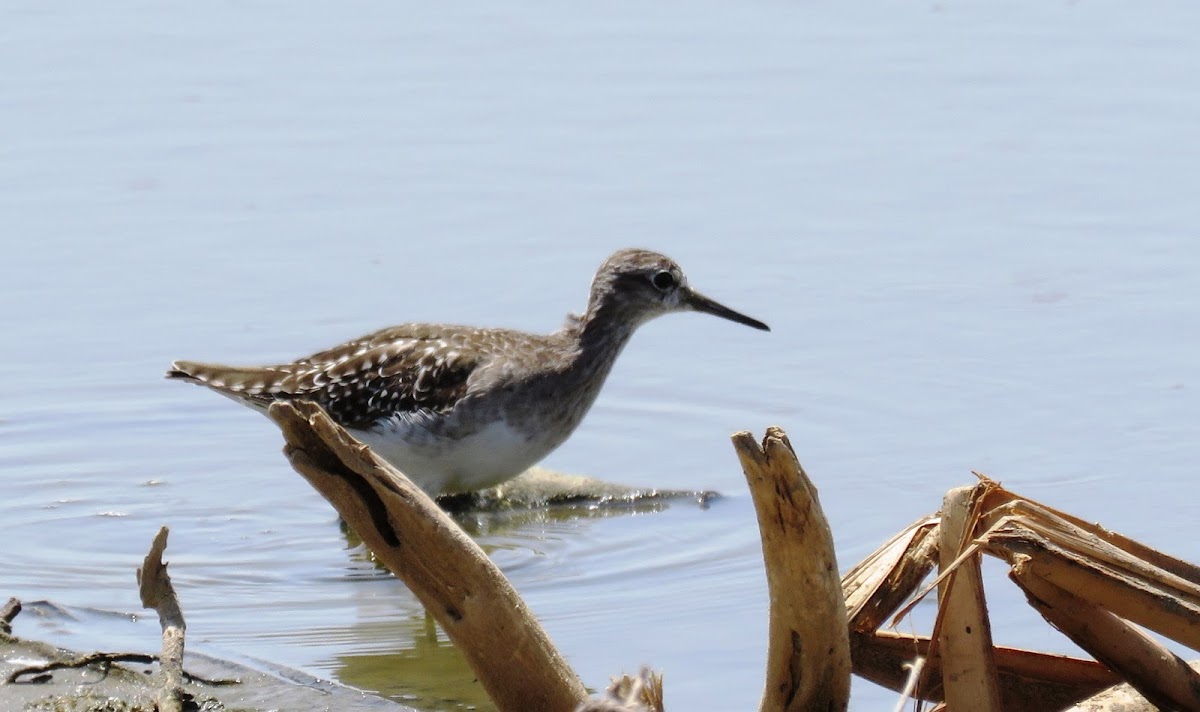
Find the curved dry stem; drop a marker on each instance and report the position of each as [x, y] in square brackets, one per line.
[474, 603]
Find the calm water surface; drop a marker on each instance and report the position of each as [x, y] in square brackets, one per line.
[972, 227]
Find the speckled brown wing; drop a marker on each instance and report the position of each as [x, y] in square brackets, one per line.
[359, 383]
[427, 334]
[397, 376]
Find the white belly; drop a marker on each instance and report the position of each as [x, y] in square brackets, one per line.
[439, 466]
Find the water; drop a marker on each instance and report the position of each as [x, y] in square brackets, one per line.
[971, 226]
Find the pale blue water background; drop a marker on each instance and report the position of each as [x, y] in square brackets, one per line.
[972, 226]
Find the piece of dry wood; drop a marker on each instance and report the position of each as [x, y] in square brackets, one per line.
[1099, 565]
[1103, 570]
[1122, 575]
[1144, 598]
[999, 502]
[154, 586]
[1100, 552]
[1029, 681]
[883, 581]
[9, 612]
[964, 632]
[808, 654]
[1157, 673]
[482, 614]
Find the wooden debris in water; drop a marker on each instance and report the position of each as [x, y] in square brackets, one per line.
[501, 640]
[474, 603]
[808, 651]
[1091, 583]
[11, 610]
[154, 585]
[963, 630]
[119, 687]
[1161, 676]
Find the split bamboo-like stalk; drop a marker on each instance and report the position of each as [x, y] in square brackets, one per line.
[1104, 572]
[964, 632]
[1114, 579]
[879, 584]
[1161, 676]
[808, 653]
[482, 614]
[1090, 582]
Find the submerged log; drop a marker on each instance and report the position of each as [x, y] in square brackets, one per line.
[808, 649]
[453, 578]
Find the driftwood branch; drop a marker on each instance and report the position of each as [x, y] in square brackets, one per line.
[154, 585]
[808, 650]
[482, 614]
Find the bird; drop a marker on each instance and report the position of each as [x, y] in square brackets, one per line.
[460, 408]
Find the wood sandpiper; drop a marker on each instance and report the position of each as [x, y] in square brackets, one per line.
[459, 408]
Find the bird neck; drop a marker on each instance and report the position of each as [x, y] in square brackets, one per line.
[599, 336]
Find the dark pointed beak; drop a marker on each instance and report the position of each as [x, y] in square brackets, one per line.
[698, 302]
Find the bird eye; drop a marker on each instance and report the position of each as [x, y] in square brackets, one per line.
[664, 281]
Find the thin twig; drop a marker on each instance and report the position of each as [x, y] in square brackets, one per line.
[105, 660]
